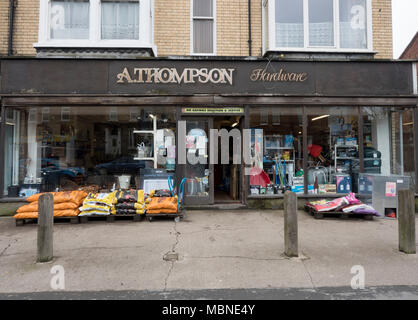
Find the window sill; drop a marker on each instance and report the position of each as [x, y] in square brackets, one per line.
[123, 44]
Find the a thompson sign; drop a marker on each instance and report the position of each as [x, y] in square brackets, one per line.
[172, 75]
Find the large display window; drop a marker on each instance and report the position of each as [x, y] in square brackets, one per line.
[344, 146]
[276, 150]
[98, 148]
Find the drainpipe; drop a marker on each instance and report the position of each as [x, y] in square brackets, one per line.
[250, 41]
[11, 18]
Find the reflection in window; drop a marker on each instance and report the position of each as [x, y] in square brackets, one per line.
[333, 149]
[84, 148]
[276, 150]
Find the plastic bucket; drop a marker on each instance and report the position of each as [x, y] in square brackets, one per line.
[124, 181]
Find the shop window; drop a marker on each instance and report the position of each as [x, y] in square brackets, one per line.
[203, 25]
[333, 149]
[317, 25]
[276, 150]
[388, 146]
[84, 149]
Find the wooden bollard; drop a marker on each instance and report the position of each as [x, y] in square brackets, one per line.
[45, 227]
[290, 225]
[406, 221]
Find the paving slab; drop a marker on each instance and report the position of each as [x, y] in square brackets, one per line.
[219, 250]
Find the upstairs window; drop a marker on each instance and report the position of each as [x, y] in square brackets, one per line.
[120, 20]
[95, 23]
[319, 24]
[203, 26]
[69, 19]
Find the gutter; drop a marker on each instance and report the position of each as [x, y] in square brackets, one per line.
[11, 19]
[250, 41]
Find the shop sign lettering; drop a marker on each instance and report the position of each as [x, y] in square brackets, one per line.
[281, 76]
[172, 75]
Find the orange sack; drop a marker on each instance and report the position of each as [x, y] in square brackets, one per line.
[57, 213]
[76, 197]
[162, 205]
[33, 207]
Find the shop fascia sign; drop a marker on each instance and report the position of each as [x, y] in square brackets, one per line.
[173, 75]
[203, 76]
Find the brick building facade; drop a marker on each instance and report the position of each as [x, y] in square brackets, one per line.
[172, 27]
[85, 80]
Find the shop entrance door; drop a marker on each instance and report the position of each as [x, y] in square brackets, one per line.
[198, 171]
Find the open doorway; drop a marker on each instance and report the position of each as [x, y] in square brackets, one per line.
[227, 177]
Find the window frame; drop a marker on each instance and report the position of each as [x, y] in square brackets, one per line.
[146, 29]
[192, 18]
[269, 8]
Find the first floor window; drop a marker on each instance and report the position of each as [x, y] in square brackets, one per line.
[203, 26]
[353, 28]
[321, 23]
[69, 19]
[120, 20]
[289, 23]
[330, 24]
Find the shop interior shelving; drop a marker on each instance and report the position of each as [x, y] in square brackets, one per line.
[339, 158]
[154, 134]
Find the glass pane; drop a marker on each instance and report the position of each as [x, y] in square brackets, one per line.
[289, 23]
[333, 149]
[69, 20]
[197, 168]
[120, 20]
[203, 8]
[88, 147]
[321, 23]
[203, 36]
[353, 25]
[276, 150]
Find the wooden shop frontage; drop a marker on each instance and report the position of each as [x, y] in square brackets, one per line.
[317, 128]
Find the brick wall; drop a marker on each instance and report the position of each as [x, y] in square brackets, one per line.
[382, 29]
[172, 27]
[232, 27]
[4, 26]
[26, 27]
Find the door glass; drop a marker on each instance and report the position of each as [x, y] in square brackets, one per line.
[197, 169]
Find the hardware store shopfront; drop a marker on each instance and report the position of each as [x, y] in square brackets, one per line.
[311, 127]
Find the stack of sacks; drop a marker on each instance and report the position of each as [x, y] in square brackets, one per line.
[102, 204]
[66, 204]
[130, 202]
[162, 205]
[348, 204]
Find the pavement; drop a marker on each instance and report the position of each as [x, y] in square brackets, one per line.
[221, 254]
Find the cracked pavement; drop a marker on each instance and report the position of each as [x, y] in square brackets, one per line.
[216, 250]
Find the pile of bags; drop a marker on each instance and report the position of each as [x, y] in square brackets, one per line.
[347, 204]
[102, 204]
[162, 205]
[130, 202]
[66, 204]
